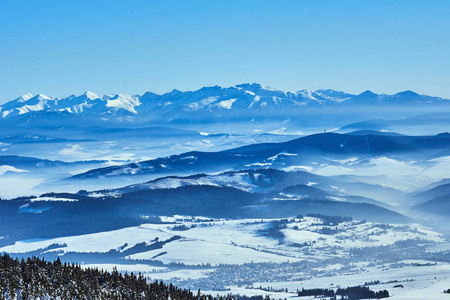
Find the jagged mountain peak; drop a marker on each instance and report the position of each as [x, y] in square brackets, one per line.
[256, 87]
[249, 85]
[25, 97]
[41, 97]
[213, 87]
[333, 95]
[367, 93]
[149, 94]
[332, 92]
[174, 92]
[91, 95]
[407, 93]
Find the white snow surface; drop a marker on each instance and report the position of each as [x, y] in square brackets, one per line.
[202, 103]
[238, 241]
[227, 104]
[124, 101]
[51, 199]
[420, 283]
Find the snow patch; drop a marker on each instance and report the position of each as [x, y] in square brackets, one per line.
[123, 101]
[202, 103]
[227, 104]
[50, 199]
[281, 154]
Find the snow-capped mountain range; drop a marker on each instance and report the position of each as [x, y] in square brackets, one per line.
[213, 101]
[86, 103]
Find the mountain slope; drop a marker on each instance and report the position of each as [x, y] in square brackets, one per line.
[275, 184]
[64, 214]
[439, 205]
[298, 152]
[438, 191]
[414, 125]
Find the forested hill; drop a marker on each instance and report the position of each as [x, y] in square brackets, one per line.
[35, 278]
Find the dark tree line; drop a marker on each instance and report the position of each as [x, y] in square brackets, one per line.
[34, 278]
[331, 220]
[351, 293]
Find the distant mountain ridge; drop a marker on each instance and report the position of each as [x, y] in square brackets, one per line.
[239, 195]
[298, 152]
[211, 101]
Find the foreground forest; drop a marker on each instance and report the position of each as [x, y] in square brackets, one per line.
[35, 278]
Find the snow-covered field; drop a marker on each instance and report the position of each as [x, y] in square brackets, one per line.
[217, 242]
[421, 280]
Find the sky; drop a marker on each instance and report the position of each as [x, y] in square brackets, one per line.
[59, 48]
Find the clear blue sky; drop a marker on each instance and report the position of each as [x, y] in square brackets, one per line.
[62, 47]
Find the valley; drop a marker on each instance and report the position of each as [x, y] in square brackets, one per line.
[246, 190]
